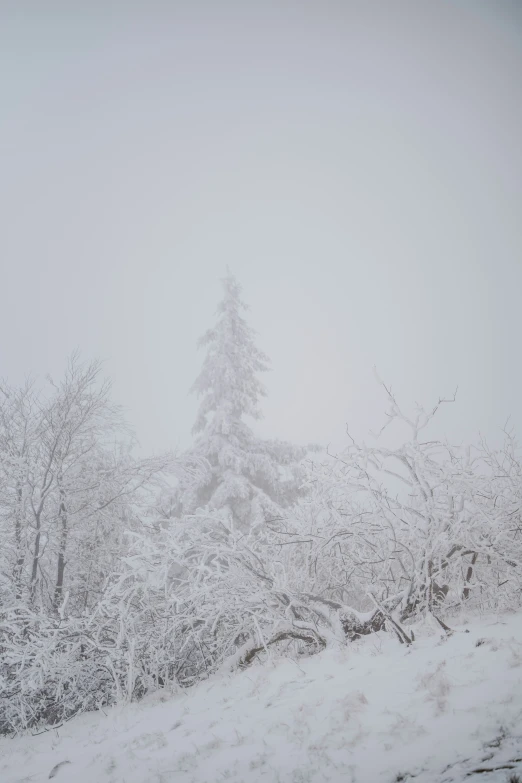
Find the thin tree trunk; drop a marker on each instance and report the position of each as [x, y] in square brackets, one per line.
[58, 591]
[469, 574]
[20, 558]
[36, 556]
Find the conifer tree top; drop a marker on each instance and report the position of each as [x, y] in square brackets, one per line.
[228, 384]
[239, 474]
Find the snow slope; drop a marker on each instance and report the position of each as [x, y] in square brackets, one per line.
[438, 711]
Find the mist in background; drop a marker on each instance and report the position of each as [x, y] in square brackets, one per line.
[358, 166]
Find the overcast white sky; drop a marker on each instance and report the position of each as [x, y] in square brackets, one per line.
[357, 164]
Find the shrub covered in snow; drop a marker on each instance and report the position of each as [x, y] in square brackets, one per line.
[106, 593]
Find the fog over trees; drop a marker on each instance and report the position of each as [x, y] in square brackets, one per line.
[252, 479]
[122, 574]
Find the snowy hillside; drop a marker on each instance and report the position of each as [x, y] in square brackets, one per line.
[444, 709]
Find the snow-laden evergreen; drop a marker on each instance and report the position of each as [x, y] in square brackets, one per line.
[249, 479]
[100, 606]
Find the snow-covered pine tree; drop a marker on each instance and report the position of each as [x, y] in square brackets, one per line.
[249, 479]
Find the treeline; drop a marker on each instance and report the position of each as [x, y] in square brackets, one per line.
[120, 575]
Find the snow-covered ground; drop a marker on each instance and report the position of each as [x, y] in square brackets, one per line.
[445, 709]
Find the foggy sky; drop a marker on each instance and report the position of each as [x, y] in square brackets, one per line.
[358, 165]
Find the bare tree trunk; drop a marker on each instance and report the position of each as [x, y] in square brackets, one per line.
[469, 574]
[20, 557]
[430, 586]
[309, 636]
[58, 591]
[45, 487]
[36, 557]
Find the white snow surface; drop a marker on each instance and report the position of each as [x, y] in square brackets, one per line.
[372, 711]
